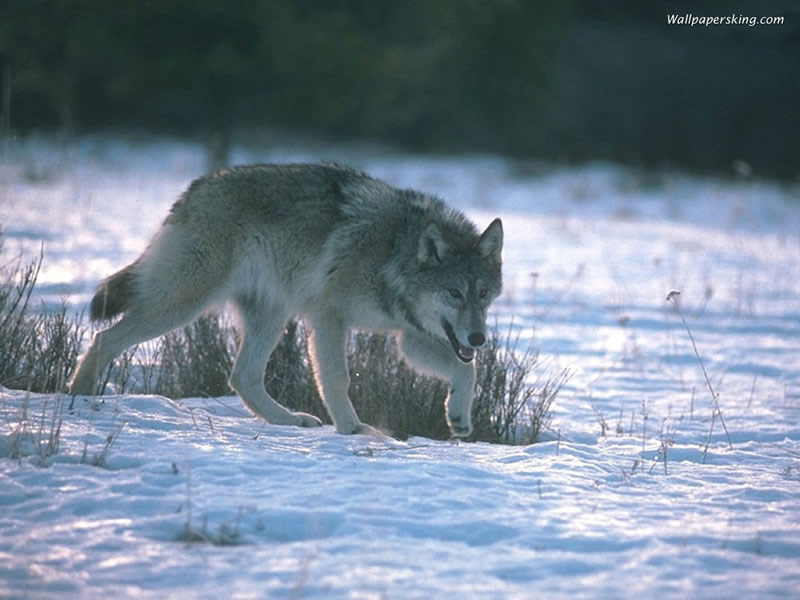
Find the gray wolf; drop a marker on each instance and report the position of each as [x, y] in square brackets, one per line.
[323, 242]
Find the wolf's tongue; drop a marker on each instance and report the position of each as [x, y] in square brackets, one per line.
[465, 353]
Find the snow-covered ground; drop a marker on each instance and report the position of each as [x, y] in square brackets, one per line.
[196, 499]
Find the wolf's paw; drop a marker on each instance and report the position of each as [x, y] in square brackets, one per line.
[306, 420]
[460, 427]
[81, 387]
[364, 429]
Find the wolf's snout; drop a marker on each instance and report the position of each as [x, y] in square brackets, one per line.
[476, 339]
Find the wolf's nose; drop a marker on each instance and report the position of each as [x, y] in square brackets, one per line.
[476, 339]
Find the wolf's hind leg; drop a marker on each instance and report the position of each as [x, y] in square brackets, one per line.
[261, 331]
[105, 347]
[133, 328]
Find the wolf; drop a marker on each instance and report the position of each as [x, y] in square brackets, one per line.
[322, 242]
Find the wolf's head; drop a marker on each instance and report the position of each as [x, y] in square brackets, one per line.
[459, 275]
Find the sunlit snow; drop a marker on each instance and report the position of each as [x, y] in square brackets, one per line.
[197, 499]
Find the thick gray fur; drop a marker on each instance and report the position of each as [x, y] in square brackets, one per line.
[334, 246]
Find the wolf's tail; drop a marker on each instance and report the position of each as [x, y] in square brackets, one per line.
[113, 295]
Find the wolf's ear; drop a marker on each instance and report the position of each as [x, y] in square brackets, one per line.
[490, 244]
[432, 246]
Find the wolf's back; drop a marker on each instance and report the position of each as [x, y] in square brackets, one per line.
[113, 295]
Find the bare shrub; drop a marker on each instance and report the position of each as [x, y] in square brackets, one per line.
[674, 296]
[196, 360]
[34, 435]
[53, 350]
[513, 393]
[99, 459]
[38, 352]
[120, 373]
[16, 333]
[389, 395]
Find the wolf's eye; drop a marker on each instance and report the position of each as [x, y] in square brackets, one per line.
[483, 293]
[455, 293]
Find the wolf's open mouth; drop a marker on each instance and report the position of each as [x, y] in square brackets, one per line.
[464, 353]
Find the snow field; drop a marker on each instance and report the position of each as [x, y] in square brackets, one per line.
[195, 498]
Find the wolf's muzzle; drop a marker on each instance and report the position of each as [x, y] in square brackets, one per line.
[464, 353]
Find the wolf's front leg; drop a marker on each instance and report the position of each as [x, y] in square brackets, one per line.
[436, 358]
[459, 403]
[328, 350]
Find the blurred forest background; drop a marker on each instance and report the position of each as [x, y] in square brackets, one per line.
[565, 80]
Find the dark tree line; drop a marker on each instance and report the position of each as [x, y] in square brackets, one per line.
[561, 79]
